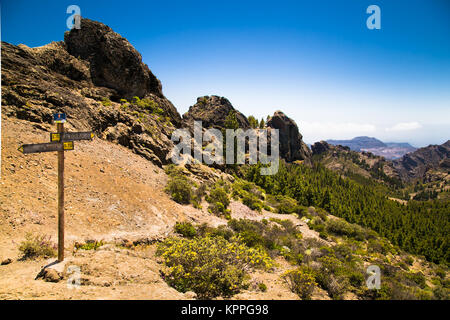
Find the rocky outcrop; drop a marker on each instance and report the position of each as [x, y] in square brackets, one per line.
[84, 77]
[213, 111]
[320, 147]
[416, 164]
[292, 147]
[114, 63]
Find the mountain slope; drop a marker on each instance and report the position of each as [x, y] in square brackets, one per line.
[415, 165]
[353, 164]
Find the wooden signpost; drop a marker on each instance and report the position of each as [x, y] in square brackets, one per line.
[60, 141]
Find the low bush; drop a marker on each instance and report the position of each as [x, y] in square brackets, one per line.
[284, 204]
[35, 246]
[417, 277]
[262, 287]
[343, 228]
[209, 266]
[106, 102]
[250, 194]
[180, 189]
[186, 229]
[148, 105]
[218, 200]
[301, 281]
[89, 245]
[179, 186]
[336, 277]
[198, 195]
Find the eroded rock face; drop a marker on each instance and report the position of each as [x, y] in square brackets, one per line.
[292, 147]
[114, 62]
[38, 82]
[213, 111]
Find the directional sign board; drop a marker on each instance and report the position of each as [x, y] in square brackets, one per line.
[46, 147]
[70, 136]
[59, 117]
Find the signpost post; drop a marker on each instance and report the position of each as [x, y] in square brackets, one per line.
[60, 129]
[60, 141]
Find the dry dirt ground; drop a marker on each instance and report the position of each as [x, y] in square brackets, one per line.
[111, 195]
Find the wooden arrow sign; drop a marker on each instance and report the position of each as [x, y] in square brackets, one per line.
[70, 136]
[46, 147]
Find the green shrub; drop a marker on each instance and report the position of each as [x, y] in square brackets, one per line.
[35, 246]
[251, 238]
[283, 204]
[343, 228]
[106, 102]
[218, 200]
[323, 235]
[332, 276]
[380, 245]
[209, 266]
[317, 224]
[250, 194]
[417, 277]
[251, 201]
[286, 204]
[356, 279]
[197, 196]
[186, 229]
[147, 104]
[179, 188]
[440, 293]
[409, 260]
[301, 281]
[262, 287]
[89, 245]
[221, 231]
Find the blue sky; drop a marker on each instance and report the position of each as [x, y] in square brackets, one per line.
[315, 60]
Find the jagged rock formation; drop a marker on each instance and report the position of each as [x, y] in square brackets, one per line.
[84, 77]
[292, 147]
[320, 147]
[114, 63]
[213, 111]
[416, 164]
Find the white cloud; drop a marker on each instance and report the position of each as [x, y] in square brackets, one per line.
[405, 126]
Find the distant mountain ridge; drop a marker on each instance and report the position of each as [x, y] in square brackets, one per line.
[389, 150]
[418, 163]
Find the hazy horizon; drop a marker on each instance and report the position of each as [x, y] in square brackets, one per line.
[318, 63]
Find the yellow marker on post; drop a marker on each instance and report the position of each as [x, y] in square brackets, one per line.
[68, 145]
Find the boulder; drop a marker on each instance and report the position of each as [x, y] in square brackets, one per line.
[292, 147]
